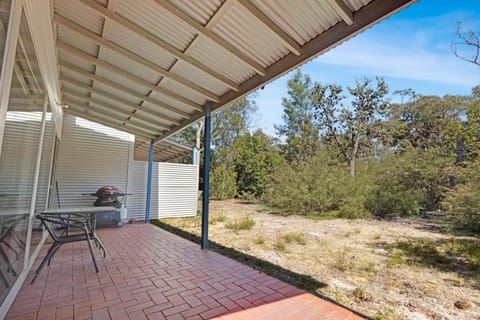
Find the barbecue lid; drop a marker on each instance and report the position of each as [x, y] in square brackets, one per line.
[108, 190]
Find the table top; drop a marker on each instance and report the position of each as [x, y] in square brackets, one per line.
[80, 210]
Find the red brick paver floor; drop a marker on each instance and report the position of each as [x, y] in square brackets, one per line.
[152, 274]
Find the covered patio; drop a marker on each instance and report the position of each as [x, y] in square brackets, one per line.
[150, 273]
[149, 69]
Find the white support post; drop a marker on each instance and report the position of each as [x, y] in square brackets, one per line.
[35, 181]
[9, 62]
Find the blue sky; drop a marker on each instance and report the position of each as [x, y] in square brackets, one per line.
[410, 50]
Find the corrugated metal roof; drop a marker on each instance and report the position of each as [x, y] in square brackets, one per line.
[73, 9]
[202, 50]
[127, 39]
[240, 28]
[149, 15]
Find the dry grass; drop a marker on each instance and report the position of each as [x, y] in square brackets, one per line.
[397, 264]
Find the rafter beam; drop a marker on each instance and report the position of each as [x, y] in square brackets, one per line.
[158, 42]
[342, 9]
[133, 93]
[204, 32]
[286, 40]
[104, 105]
[107, 123]
[132, 56]
[114, 115]
[86, 57]
[105, 94]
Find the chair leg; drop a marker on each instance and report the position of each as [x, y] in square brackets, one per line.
[100, 246]
[4, 280]
[9, 246]
[45, 259]
[92, 254]
[9, 264]
[53, 253]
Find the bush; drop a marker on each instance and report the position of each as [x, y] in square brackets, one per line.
[463, 202]
[223, 183]
[407, 183]
[319, 185]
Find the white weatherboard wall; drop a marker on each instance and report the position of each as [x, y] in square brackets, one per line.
[174, 190]
[17, 162]
[89, 156]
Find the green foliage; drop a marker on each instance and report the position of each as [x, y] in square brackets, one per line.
[407, 182]
[223, 182]
[299, 129]
[255, 162]
[244, 223]
[463, 202]
[351, 129]
[320, 185]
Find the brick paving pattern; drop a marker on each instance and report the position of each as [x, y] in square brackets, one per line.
[152, 274]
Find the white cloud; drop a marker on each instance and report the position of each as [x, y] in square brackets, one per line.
[415, 49]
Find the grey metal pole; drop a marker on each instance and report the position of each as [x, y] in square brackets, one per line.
[149, 183]
[206, 174]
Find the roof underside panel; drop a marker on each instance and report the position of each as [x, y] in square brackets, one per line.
[145, 49]
[240, 28]
[301, 22]
[76, 11]
[200, 78]
[200, 10]
[135, 69]
[214, 57]
[148, 15]
[77, 41]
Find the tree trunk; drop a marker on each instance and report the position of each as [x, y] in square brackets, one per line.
[461, 158]
[351, 164]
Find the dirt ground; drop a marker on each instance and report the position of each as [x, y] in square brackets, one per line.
[384, 269]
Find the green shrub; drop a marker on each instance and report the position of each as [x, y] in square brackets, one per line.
[245, 223]
[407, 183]
[463, 202]
[223, 183]
[319, 186]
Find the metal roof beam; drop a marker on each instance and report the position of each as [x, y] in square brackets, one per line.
[108, 106]
[120, 127]
[86, 57]
[134, 57]
[205, 32]
[159, 42]
[105, 94]
[150, 100]
[89, 75]
[343, 11]
[286, 40]
[113, 115]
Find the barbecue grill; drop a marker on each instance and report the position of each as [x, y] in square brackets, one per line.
[107, 196]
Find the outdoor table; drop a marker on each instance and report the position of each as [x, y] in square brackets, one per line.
[87, 215]
[81, 219]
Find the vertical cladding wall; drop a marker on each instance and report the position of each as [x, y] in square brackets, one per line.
[19, 149]
[174, 190]
[89, 156]
[92, 155]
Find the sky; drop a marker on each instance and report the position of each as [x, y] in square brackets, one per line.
[409, 50]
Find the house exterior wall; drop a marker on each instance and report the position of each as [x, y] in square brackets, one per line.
[92, 155]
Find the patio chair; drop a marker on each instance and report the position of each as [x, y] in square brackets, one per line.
[66, 236]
